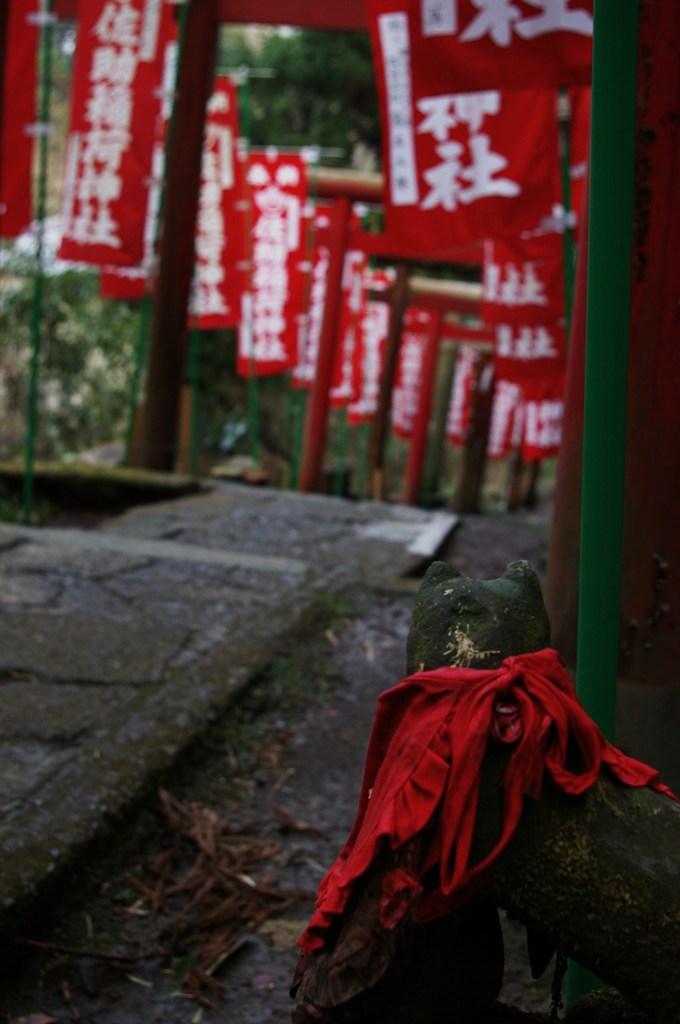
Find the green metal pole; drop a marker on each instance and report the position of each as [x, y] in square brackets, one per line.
[243, 92]
[364, 436]
[606, 367]
[299, 408]
[46, 35]
[140, 358]
[340, 453]
[195, 386]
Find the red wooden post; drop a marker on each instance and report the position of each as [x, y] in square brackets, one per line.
[347, 15]
[418, 447]
[167, 354]
[316, 422]
[650, 585]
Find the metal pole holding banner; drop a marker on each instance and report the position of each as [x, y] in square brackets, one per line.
[610, 234]
[45, 20]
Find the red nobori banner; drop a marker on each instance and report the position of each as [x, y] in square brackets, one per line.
[123, 282]
[543, 416]
[132, 282]
[268, 328]
[497, 44]
[17, 119]
[310, 322]
[462, 393]
[527, 418]
[460, 166]
[220, 277]
[527, 351]
[353, 305]
[579, 150]
[116, 118]
[409, 376]
[523, 280]
[369, 353]
[507, 420]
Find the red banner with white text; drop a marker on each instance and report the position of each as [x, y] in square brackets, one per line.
[268, 330]
[116, 120]
[409, 376]
[495, 44]
[369, 354]
[220, 270]
[523, 280]
[543, 415]
[462, 395]
[507, 420]
[460, 166]
[352, 308]
[311, 320]
[17, 119]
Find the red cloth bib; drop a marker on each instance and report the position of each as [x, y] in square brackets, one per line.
[425, 753]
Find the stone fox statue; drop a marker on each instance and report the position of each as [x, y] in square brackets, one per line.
[406, 928]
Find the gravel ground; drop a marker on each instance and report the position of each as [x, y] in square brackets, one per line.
[285, 770]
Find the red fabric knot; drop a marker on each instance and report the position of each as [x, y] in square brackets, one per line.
[427, 745]
[506, 726]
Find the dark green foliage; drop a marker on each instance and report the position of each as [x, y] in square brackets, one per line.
[323, 92]
[87, 355]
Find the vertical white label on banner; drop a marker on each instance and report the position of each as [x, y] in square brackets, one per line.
[395, 45]
[439, 17]
[150, 29]
[73, 147]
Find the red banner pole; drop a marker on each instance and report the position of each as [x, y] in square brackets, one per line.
[416, 454]
[316, 421]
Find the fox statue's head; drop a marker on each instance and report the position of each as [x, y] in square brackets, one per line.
[458, 621]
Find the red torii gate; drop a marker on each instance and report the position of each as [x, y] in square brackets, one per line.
[341, 15]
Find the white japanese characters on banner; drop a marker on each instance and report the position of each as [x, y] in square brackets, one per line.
[409, 376]
[116, 108]
[133, 282]
[529, 347]
[462, 389]
[310, 321]
[369, 355]
[460, 166]
[507, 420]
[523, 278]
[353, 298]
[267, 340]
[505, 44]
[17, 117]
[543, 417]
[220, 277]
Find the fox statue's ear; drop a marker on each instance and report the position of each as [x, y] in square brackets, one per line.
[523, 572]
[437, 573]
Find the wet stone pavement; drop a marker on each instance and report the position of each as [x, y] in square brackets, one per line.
[119, 646]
